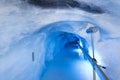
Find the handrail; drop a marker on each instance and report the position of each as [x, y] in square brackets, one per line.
[97, 68]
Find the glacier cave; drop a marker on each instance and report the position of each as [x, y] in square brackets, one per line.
[48, 40]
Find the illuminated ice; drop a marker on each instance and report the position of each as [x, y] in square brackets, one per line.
[24, 28]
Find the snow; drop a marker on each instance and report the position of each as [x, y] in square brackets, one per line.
[23, 30]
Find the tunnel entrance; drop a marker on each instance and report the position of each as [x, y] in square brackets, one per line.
[64, 51]
[59, 42]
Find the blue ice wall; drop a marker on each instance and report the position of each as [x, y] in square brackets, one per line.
[62, 57]
[46, 43]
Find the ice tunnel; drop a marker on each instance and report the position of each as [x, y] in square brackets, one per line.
[58, 50]
[48, 40]
[64, 50]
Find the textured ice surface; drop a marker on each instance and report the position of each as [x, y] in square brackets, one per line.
[23, 29]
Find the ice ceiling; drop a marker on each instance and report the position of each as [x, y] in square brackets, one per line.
[24, 26]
